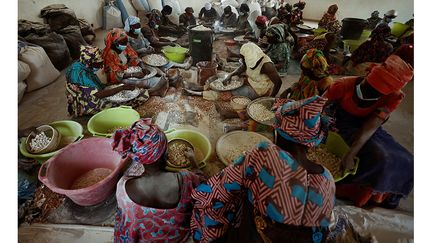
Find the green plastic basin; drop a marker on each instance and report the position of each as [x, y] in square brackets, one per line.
[398, 29]
[176, 54]
[196, 139]
[70, 130]
[336, 145]
[100, 124]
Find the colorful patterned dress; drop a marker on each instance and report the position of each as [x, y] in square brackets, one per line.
[114, 67]
[81, 86]
[280, 191]
[136, 223]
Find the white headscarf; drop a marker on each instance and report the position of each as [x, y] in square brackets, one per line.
[131, 20]
[251, 53]
[207, 6]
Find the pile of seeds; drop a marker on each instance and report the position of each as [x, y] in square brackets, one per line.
[218, 85]
[40, 141]
[201, 28]
[124, 96]
[235, 151]
[90, 178]
[260, 113]
[241, 100]
[155, 60]
[135, 69]
[176, 153]
[322, 156]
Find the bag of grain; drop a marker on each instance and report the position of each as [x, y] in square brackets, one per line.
[23, 71]
[141, 5]
[111, 17]
[42, 70]
[126, 9]
[155, 4]
[21, 90]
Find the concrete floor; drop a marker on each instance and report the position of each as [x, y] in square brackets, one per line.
[48, 104]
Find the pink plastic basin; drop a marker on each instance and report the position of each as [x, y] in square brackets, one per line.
[59, 172]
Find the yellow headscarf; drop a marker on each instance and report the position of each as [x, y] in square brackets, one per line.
[90, 55]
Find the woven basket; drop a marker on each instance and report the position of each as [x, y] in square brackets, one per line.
[50, 132]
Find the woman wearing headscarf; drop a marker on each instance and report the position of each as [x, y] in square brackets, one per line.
[208, 14]
[151, 30]
[329, 20]
[85, 92]
[228, 19]
[297, 13]
[119, 56]
[314, 79]
[187, 19]
[263, 79]
[272, 193]
[153, 205]
[323, 42]
[243, 25]
[136, 39]
[373, 20]
[168, 28]
[360, 105]
[375, 50]
[279, 50]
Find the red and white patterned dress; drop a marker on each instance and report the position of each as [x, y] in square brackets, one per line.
[135, 223]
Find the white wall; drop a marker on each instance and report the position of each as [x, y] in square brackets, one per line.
[358, 8]
[91, 10]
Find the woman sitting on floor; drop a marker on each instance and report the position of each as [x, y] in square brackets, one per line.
[119, 56]
[85, 92]
[263, 78]
[314, 79]
[150, 29]
[323, 42]
[272, 193]
[329, 20]
[360, 106]
[153, 205]
[136, 39]
[375, 50]
[279, 49]
[187, 18]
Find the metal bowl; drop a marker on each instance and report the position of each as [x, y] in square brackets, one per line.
[268, 103]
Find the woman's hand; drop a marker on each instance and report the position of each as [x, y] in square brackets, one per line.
[348, 162]
[139, 75]
[285, 93]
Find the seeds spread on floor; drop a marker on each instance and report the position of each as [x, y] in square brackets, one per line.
[90, 178]
[40, 141]
[322, 156]
[260, 113]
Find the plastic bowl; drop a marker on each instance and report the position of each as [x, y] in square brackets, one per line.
[69, 130]
[176, 54]
[336, 145]
[197, 139]
[398, 29]
[100, 124]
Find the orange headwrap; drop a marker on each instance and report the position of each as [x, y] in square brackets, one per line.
[115, 35]
[391, 76]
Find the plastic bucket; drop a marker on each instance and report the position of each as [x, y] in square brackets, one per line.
[206, 70]
[176, 54]
[106, 120]
[59, 172]
[197, 139]
[352, 44]
[398, 29]
[352, 28]
[70, 130]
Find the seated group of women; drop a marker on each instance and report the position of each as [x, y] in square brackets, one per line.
[87, 93]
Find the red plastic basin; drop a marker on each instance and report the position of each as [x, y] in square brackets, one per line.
[59, 172]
